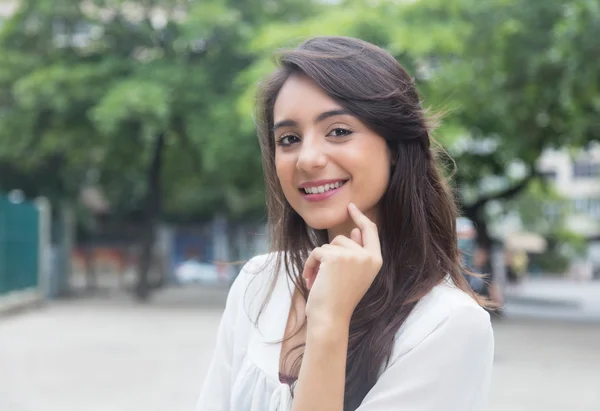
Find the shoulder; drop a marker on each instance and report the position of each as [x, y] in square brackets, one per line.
[443, 356]
[258, 269]
[446, 314]
[253, 282]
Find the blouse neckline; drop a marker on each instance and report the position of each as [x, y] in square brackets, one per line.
[271, 328]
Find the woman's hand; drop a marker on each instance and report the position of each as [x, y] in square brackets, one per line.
[340, 273]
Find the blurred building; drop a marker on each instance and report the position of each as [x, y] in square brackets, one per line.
[576, 176]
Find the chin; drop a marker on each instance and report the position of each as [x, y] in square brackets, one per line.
[323, 221]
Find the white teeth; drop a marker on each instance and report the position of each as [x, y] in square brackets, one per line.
[323, 188]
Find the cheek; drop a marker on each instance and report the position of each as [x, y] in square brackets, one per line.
[285, 171]
[279, 167]
[376, 173]
[375, 162]
[380, 177]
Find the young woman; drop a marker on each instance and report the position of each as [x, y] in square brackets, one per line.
[362, 304]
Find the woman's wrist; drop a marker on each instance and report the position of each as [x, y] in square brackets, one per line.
[328, 327]
[322, 375]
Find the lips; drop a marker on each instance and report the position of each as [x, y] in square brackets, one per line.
[321, 190]
[321, 187]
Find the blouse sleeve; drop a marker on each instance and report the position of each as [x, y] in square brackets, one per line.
[449, 370]
[216, 390]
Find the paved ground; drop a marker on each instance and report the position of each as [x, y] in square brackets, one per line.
[111, 354]
[555, 298]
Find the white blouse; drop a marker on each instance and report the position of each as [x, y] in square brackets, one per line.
[441, 360]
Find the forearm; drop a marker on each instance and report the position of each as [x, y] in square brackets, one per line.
[322, 375]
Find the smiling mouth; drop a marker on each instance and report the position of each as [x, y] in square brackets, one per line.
[322, 188]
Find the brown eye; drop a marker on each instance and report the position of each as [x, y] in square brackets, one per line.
[339, 132]
[287, 140]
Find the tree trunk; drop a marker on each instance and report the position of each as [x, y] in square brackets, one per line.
[152, 211]
[476, 215]
[91, 278]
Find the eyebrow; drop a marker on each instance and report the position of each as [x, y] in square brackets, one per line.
[323, 116]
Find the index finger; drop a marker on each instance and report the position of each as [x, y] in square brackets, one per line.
[368, 229]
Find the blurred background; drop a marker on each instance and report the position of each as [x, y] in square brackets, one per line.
[130, 174]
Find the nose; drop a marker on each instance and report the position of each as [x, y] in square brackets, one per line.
[311, 155]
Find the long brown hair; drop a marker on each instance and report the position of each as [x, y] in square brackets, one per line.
[417, 212]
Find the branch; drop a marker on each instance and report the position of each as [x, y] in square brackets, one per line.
[504, 194]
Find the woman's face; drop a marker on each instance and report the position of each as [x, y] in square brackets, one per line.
[326, 158]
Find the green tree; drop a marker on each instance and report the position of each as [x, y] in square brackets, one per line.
[515, 92]
[140, 94]
[155, 97]
[514, 78]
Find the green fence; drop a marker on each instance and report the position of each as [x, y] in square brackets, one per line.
[19, 245]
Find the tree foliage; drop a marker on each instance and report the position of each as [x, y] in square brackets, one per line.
[96, 81]
[134, 96]
[92, 89]
[514, 78]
